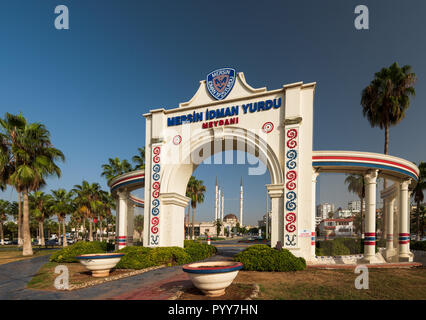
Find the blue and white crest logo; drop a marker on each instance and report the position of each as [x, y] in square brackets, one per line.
[220, 82]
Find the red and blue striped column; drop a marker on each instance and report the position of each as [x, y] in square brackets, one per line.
[404, 231]
[370, 179]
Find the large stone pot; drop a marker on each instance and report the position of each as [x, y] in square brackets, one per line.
[100, 263]
[213, 277]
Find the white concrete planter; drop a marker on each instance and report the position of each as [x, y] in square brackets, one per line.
[100, 263]
[213, 277]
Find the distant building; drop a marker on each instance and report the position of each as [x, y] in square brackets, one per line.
[323, 210]
[355, 206]
[338, 227]
[343, 213]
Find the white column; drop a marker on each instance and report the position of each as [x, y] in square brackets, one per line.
[389, 207]
[223, 200]
[219, 202]
[404, 233]
[276, 192]
[122, 219]
[241, 203]
[215, 203]
[313, 231]
[370, 179]
[117, 220]
[130, 222]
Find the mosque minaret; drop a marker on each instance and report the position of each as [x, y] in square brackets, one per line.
[220, 202]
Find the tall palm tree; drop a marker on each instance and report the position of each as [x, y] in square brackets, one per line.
[139, 159]
[115, 167]
[40, 204]
[195, 190]
[418, 194]
[88, 199]
[356, 185]
[61, 205]
[32, 159]
[386, 99]
[4, 205]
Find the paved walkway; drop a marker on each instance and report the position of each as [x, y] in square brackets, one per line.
[159, 284]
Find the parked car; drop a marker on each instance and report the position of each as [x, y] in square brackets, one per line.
[7, 242]
[51, 242]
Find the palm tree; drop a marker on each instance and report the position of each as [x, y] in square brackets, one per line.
[139, 159]
[4, 205]
[31, 159]
[61, 205]
[195, 191]
[40, 204]
[88, 200]
[138, 221]
[356, 185]
[418, 194]
[114, 168]
[218, 224]
[386, 99]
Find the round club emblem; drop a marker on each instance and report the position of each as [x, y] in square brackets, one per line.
[177, 139]
[267, 127]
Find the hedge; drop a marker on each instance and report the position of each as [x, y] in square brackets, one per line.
[418, 245]
[69, 253]
[142, 257]
[261, 257]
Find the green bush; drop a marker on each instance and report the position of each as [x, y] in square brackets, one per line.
[69, 253]
[142, 257]
[418, 245]
[261, 257]
[199, 251]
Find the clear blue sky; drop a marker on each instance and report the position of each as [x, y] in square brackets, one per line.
[90, 85]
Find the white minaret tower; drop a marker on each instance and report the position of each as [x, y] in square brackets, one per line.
[218, 203]
[241, 203]
[215, 203]
[223, 200]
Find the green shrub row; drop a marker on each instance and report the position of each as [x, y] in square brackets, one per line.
[142, 257]
[418, 245]
[343, 246]
[69, 253]
[261, 257]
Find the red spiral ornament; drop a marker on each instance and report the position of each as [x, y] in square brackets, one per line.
[292, 134]
[155, 221]
[156, 185]
[291, 217]
[156, 150]
[156, 159]
[156, 193]
[290, 227]
[291, 175]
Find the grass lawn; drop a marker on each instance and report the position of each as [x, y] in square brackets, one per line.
[13, 254]
[384, 284]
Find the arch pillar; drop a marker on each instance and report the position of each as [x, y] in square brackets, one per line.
[389, 211]
[404, 253]
[121, 219]
[370, 179]
[315, 174]
[276, 193]
[173, 214]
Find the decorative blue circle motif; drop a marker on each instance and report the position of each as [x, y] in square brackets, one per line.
[156, 176]
[155, 202]
[156, 168]
[155, 211]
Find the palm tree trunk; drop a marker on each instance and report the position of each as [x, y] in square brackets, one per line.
[27, 249]
[42, 233]
[362, 217]
[59, 232]
[418, 221]
[19, 219]
[64, 234]
[90, 230]
[1, 234]
[100, 229]
[192, 231]
[187, 220]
